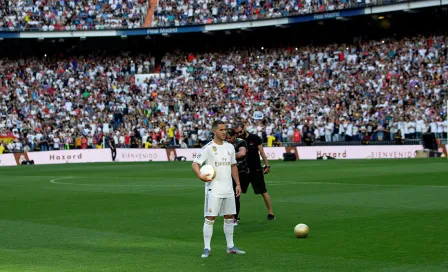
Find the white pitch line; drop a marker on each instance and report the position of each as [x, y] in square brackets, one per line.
[279, 183]
[54, 181]
[356, 184]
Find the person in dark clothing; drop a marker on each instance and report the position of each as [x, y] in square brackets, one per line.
[243, 169]
[134, 140]
[256, 175]
[308, 139]
[113, 147]
[398, 138]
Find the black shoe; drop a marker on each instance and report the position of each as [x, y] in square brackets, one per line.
[271, 217]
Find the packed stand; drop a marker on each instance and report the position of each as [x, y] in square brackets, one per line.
[49, 103]
[378, 90]
[180, 12]
[52, 15]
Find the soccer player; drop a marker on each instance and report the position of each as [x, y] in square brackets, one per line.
[243, 170]
[219, 194]
[256, 175]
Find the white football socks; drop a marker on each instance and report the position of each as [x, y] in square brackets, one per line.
[228, 231]
[208, 232]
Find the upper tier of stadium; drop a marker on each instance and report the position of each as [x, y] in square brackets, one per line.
[52, 15]
[180, 13]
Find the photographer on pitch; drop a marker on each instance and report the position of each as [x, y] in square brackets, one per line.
[256, 175]
[243, 169]
[113, 147]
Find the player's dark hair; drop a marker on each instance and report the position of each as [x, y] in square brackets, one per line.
[239, 125]
[231, 132]
[217, 123]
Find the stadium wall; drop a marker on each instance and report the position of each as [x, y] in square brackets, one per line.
[172, 154]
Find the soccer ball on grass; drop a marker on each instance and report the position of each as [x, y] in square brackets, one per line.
[301, 230]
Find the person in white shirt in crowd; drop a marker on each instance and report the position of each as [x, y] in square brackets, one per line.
[328, 131]
[433, 126]
[445, 129]
[317, 133]
[419, 127]
[356, 136]
[348, 131]
[284, 134]
[18, 146]
[57, 143]
[379, 132]
[411, 129]
[439, 128]
[321, 129]
[393, 129]
[11, 145]
[289, 133]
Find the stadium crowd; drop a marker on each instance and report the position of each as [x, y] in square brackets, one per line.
[52, 15]
[377, 90]
[180, 12]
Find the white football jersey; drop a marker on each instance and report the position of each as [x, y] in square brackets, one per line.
[221, 157]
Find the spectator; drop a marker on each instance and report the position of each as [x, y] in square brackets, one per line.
[297, 136]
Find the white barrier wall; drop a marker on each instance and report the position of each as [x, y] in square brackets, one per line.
[140, 155]
[359, 152]
[338, 152]
[189, 153]
[7, 160]
[70, 156]
[272, 153]
[146, 155]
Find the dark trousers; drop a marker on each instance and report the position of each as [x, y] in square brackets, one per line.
[114, 153]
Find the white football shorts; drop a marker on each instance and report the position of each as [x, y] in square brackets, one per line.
[215, 206]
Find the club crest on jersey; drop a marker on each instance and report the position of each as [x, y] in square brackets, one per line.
[214, 148]
[210, 210]
[228, 152]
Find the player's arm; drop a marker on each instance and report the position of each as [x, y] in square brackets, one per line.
[236, 178]
[235, 175]
[197, 162]
[265, 159]
[241, 152]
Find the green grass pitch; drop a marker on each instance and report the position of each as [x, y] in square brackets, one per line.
[369, 215]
